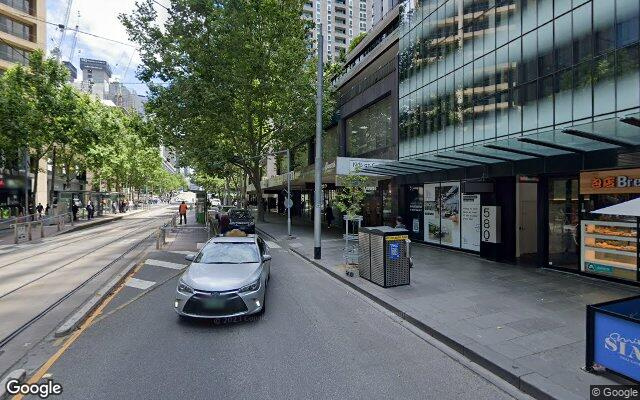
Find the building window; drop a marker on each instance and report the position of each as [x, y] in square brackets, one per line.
[13, 55]
[16, 28]
[370, 129]
[22, 5]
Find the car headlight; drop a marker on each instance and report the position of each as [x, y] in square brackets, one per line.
[252, 287]
[184, 288]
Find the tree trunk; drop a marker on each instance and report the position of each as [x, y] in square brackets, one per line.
[255, 179]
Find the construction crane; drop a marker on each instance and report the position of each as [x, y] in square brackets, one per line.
[75, 40]
[57, 51]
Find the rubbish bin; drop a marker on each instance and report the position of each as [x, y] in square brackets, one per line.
[383, 255]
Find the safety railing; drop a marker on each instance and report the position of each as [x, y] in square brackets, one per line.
[25, 230]
[211, 226]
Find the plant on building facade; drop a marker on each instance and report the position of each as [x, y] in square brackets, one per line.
[356, 40]
[350, 198]
[240, 81]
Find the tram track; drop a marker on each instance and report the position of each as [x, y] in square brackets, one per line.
[61, 241]
[132, 234]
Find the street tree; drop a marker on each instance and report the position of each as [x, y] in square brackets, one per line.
[239, 79]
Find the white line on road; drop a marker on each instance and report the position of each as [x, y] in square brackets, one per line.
[183, 252]
[272, 245]
[139, 283]
[164, 264]
[199, 245]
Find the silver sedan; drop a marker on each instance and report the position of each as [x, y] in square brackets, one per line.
[227, 278]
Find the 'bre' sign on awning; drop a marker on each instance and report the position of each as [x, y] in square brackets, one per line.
[610, 181]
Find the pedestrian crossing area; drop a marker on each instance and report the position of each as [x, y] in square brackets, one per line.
[154, 271]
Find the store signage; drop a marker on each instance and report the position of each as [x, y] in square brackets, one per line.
[617, 345]
[470, 222]
[599, 268]
[491, 220]
[612, 181]
[346, 165]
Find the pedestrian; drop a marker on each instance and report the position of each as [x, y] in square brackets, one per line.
[74, 210]
[328, 214]
[224, 223]
[182, 210]
[46, 209]
[113, 207]
[90, 210]
[400, 223]
[39, 208]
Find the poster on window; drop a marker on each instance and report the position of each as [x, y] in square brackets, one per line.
[450, 214]
[470, 222]
[431, 213]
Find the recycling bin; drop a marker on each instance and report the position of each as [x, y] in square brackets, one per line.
[383, 256]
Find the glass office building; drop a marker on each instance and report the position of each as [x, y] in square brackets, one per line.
[519, 104]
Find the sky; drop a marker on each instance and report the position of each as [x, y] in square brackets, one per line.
[99, 17]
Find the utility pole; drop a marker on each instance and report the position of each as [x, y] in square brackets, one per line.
[289, 203]
[26, 182]
[317, 197]
[53, 181]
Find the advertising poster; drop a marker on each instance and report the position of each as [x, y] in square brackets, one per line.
[449, 195]
[470, 222]
[617, 345]
[431, 213]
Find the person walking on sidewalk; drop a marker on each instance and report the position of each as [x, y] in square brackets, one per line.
[328, 214]
[90, 210]
[74, 210]
[400, 223]
[182, 210]
[39, 209]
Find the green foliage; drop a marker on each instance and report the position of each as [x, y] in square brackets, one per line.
[41, 113]
[240, 82]
[350, 197]
[356, 40]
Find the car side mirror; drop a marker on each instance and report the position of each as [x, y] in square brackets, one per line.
[266, 257]
[190, 257]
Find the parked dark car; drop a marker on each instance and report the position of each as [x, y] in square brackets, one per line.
[242, 220]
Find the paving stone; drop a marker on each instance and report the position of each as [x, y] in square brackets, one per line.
[534, 325]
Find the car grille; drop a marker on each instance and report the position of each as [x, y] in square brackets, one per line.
[214, 305]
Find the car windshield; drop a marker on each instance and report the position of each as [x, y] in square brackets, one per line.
[239, 214]
[228, 253]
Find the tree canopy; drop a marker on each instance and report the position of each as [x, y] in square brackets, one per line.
[240, 79]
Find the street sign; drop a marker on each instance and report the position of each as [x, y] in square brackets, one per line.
[288, 203]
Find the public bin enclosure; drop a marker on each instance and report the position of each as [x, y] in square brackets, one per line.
[383, 255]
[613, 328]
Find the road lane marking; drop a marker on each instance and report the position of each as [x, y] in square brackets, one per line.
[183, 252]
[272, 245]
[74, 336]
[164, 264]
[199, 245]
[139, 283]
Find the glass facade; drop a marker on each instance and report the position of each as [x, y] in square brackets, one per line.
[369, 131]
[13, 55]
[22, 5]
[475, 70]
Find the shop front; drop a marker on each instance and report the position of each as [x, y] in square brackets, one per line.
[608, 242]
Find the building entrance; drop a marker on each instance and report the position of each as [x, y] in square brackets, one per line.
[527, 219]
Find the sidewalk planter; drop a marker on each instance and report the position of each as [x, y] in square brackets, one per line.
[383, 257]
[613, 337]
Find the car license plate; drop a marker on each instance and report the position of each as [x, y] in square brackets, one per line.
[213, 303]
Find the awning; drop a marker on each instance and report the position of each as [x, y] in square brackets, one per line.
[629, 208]
[579, 139]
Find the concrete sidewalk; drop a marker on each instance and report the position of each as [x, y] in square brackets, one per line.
[525, 324]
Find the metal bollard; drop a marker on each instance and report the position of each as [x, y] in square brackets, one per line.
[72, 221]
[15, 233]
[29, 231]
[158, 238]
[41, 228]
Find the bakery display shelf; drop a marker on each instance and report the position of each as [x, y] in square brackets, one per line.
[610, 237]
[611, 251]
[614, 264]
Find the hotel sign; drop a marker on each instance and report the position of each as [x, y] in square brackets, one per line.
[611, 181]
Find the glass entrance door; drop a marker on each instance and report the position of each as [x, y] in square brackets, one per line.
[564, 223]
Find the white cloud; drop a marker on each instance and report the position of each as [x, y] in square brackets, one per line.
[99, 18]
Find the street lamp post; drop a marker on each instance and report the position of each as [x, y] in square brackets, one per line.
[317, 210]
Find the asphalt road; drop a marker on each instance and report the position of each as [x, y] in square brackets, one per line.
[317, 339]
